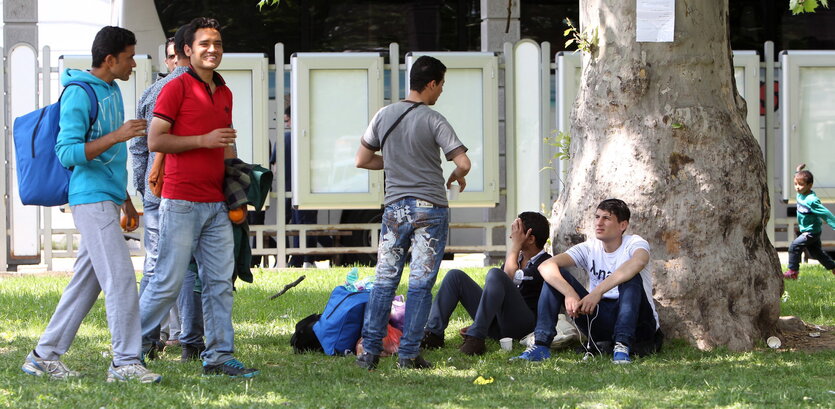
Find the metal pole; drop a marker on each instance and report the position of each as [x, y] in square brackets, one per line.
[281, 195]
[509, 136]
[4, 213]
[46, 233]
[768, 59]
[394, 71]
[545, 114]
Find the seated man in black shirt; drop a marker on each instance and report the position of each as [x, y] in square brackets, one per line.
[506, 307]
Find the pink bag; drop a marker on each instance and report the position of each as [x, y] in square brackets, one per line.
[398, 312]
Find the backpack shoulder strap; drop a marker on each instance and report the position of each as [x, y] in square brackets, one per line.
[397, 122]
[94, 102]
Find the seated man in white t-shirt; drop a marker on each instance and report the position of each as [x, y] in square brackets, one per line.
[617, 306]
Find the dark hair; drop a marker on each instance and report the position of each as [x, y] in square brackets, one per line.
[425, 70]
[111, 40]
[806, 176]
[540, 228]
[180, 41]
[287, 110]
[616, 207]
[196, 24]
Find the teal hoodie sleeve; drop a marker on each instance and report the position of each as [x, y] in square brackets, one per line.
[75, 121]
[819, 209]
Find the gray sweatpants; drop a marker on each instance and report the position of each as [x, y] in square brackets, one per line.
[103, 263]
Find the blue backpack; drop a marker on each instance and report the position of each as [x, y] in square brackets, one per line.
[340, 326]
[41, 178]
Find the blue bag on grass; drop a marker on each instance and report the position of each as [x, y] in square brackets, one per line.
[41, 178]
[340, 326]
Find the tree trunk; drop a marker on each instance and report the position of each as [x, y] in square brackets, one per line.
[661, 126]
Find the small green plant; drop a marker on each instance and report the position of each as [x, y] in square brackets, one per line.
[561, 141]
[263, 3]
[586, 40]
[806, 6]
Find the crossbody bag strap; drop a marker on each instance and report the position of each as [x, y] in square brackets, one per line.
[397, 122]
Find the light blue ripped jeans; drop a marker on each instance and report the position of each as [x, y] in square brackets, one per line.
[414, 223]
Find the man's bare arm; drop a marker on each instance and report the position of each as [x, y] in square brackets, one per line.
[550, 271]
[161, 140]
[622, 274]
[368, 159]
[124, 133]
[462, 168]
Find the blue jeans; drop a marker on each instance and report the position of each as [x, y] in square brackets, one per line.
[811, 242]
[191, 310]
[150, 219]
[625, 320]
[414, 223]
[190, 316]
[201, 230]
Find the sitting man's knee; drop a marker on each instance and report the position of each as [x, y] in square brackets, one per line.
[494, 276]
[454, 274]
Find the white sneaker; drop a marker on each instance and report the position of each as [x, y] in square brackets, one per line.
[308, 264]
[39, 366]
[131, 372]
[566, 336]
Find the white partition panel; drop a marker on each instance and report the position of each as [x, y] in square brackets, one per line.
[334, 97]
[470, 104]
[808, 104]
[246, 75]
[24, 221]
[529, 127]
[569, 67]
[131, 89]
[747, 76]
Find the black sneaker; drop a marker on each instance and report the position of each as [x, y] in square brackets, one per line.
[232, 368]
[473, 346]
[432, 340]
[149, 353]
[368, 361]
[191, 352]
[414, 363]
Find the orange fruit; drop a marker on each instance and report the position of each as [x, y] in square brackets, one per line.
[237, 215]
[128, 224]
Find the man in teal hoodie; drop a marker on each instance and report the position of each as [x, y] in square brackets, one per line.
[96, 193]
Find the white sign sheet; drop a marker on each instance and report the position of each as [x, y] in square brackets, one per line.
[655, 20]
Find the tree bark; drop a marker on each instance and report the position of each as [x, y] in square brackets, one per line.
[661, 126]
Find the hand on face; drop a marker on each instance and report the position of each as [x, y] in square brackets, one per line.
[518, 233]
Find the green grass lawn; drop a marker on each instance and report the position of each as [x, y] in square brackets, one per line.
[680, 376]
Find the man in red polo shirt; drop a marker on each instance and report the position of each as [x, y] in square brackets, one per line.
[192, 125]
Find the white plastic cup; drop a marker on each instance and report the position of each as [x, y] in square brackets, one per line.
[773, 342]
[452, 192]
[506, 343]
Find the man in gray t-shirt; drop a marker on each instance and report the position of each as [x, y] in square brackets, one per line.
[412, 136]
